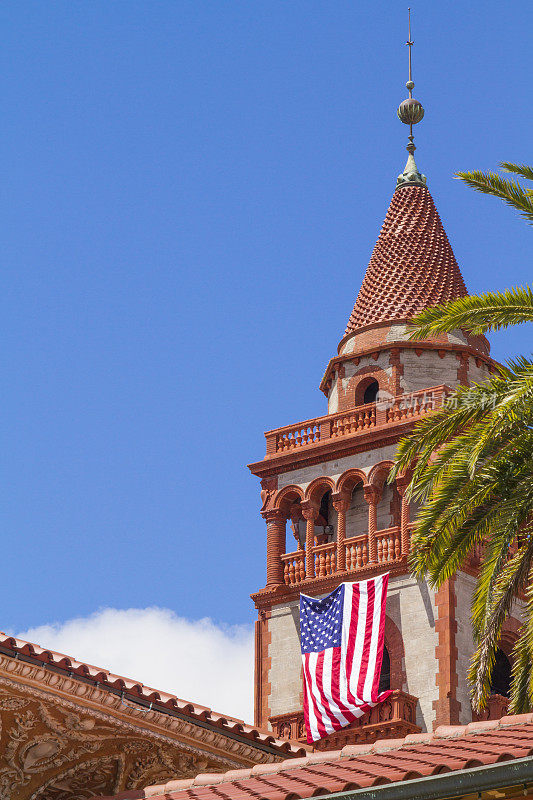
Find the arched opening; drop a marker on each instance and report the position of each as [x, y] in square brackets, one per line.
[325, 520]
[288, 501]
[384, 676]
[357, 514]
[500, 682]
[371, 393]
[297, 524]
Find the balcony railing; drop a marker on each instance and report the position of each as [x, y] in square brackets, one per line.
[392, 719]
[357, 549]
[325, 556]
[311, 432]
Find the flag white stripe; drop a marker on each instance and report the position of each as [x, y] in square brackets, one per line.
[373, 650]
[327, 682]
[346, 622]
[359, 641]
[315, 733]
[326, 722]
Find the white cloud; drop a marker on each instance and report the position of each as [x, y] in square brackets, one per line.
[195, 659]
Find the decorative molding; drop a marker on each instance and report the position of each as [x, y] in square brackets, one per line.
[198, 740]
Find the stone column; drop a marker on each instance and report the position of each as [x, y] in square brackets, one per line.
[310, 513]
[372, 497]
[401, 484]
[341, 504]
[275, 521]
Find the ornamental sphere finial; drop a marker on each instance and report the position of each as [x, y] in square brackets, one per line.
[410, 111]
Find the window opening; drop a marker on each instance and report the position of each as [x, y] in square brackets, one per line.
[371, 393]
[384, 676]
[500, 682]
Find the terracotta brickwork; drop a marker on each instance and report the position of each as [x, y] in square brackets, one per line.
[412, 266]
[396, 649]
[447, 707]
[263, 663]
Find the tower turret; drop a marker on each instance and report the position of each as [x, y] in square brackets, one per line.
[330, 513]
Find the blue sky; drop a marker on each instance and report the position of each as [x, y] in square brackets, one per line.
[190, 195]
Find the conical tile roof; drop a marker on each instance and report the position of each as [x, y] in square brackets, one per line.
[412, 266]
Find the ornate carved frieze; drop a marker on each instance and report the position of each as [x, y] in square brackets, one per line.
[392, 719]
[64, 739]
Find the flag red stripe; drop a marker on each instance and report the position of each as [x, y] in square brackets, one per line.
[354, 616]
[381, 637]
[336, 686]
[369, 625]
[322, 693]
[320, 725]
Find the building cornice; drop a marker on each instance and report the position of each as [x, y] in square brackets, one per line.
[379, 436]
[266, 599]
[402, 344]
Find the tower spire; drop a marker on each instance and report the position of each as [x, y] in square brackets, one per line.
[410, 112]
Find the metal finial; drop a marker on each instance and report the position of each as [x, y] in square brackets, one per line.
[410, 112]
[410, 85]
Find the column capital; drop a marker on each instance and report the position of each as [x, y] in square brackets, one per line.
[402, 482]
[372, 493]
[310, 510]
[295, 511]
[273, 515]
[341, 502]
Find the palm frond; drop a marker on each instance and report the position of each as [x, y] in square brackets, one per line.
[510, 581]
[508, 190]
[518, 169]
[522, 670]
[476, 313]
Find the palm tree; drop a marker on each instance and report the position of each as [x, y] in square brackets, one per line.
[472, 469]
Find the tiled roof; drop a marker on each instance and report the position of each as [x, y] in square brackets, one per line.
[412, 266]
[135, 691]
[449, 748]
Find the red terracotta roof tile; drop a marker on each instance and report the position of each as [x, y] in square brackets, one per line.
[133, 689]
[448, 749]
[412, 266]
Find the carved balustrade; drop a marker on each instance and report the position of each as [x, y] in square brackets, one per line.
[477, 555]
[315, 431]
[394, 718]
[359, 419]
[413, 405]
[356, 556]
[388, 546]
[325, 559]
[356, 549]
[293, 567]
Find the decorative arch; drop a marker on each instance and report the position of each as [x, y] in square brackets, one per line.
[395, 646]
[375, 376]
[510, 633]
[379, 473]
[318, 487]
[286, 497]
[347, 482]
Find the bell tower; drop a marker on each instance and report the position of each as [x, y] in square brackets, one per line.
[331, 515]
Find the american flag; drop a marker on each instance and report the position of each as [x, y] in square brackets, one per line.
[342, 649]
